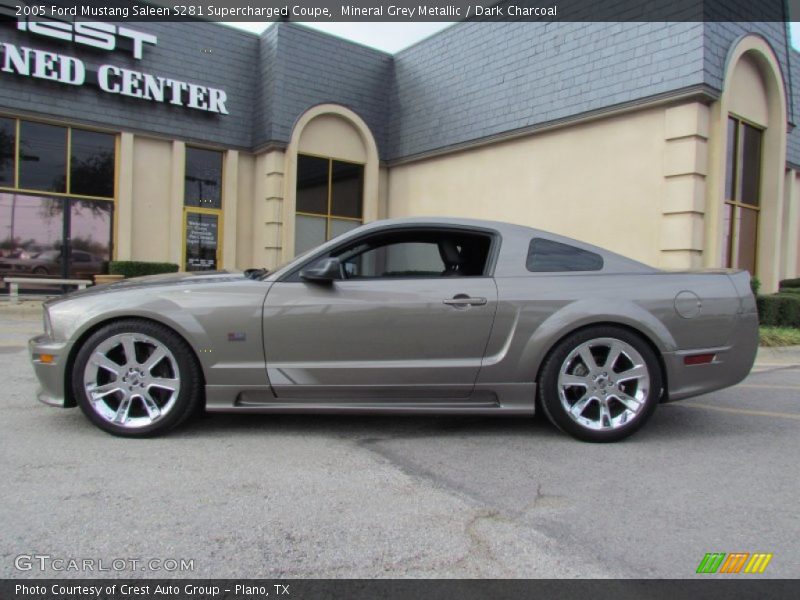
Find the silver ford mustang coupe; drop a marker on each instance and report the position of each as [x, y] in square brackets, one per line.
[424, 315]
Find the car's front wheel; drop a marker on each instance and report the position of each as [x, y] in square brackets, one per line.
[136, 378]
[600, 384]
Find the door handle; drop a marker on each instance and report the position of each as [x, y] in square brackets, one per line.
[462, 300]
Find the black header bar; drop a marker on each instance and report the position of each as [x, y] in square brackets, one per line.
[394, 589]
[409, 11]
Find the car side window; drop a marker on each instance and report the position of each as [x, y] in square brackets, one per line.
[402, 259]
[421, 253]
[547, 256]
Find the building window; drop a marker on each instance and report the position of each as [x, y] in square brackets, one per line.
[91, 170]
[8, 143]
[62, 160]
[202, 209]
[329, 200]
[42, 157]
[56, 200]
[742, 195]
[203, 180]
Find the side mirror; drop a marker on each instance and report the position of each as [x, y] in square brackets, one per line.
[326, 271]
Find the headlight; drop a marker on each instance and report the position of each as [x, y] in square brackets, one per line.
[48, 327]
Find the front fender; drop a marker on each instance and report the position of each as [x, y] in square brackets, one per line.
[221, 323]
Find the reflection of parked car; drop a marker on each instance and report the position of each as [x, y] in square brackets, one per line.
[48, 264]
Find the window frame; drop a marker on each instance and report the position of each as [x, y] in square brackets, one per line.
[67, 164]
[199, 210]
[67, 197]
[328, 216]
[293, 276]
[730, 251]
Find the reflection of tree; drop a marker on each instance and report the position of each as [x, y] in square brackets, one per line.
[98, 208]
[93, 175]
[50, 208]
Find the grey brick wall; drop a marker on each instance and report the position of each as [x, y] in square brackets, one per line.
[311, 68]
[479, 79]
[228, 62]
[469, 82]
[265, 87]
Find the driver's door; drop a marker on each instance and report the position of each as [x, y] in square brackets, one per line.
[398, 327]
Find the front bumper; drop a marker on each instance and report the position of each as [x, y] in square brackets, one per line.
[51, 375]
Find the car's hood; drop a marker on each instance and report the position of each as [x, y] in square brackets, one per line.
[152, 281]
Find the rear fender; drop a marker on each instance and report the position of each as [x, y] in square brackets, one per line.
[583, 313]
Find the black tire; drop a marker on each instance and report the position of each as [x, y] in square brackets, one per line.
[551, 401]
[189, 397]
[40, 271]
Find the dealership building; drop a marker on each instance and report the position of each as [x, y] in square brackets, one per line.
[198, 144]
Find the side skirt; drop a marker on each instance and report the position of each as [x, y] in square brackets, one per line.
[505, 399]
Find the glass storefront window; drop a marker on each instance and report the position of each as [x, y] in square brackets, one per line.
[203, 178]
[34, 230]
[55, 234]
[92, 164]
[42, 157]
[330, 201]
[90, 231]
[8, 135]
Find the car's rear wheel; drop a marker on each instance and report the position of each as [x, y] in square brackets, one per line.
[600, 384]
[136, 378]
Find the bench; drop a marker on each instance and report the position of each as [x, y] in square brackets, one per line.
[13, 284]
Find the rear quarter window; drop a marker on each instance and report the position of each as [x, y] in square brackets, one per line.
[547, 256]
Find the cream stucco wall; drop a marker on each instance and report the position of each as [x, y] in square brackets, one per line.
[244, 213]
[149, 223]
[790, 261]
[601, 181]
[150, 219]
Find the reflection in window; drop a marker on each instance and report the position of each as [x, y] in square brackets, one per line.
[329, 200]
[90, 225]
[203, 179]
[8, 131]
[92, 164]
[33, 230]
[742, 195]
[42, 157]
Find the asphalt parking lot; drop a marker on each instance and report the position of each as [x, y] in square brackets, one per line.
[331, 496]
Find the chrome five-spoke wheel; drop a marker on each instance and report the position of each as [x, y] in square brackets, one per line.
[135, 378]
[600, 384]
[132, 380]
